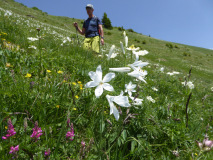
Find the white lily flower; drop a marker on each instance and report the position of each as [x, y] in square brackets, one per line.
[132, 48]
[154, 89]
[121, 69]
[126, 41]
[33, 47]
[139, 53]
[143, 53]
[124, 33]
[130, 88]
[189, 84]
[113, 55]
[138, 64]
[120, 100]
[122, 47]
[173, 73]
[138, 73]
[149, 98]
[111, 51]
[97, 81]
[136, 101]
[32, 39]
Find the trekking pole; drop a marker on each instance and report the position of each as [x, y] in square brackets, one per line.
[77, 34]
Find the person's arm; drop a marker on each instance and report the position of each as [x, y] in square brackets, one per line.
[82, 32]
[101, 33]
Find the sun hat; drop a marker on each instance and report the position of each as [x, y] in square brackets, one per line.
[89, 6]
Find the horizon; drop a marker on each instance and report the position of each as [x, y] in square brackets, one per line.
[178, 21]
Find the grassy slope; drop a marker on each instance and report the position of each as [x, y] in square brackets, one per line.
[157, 134]
[200, 59]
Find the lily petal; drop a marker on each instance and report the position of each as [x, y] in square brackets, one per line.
[99, 73]
[99, 91]
[108, 87]
[91, 84]
[108, 77]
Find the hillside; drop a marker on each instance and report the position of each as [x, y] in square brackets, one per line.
[175, 56]
[55, 103]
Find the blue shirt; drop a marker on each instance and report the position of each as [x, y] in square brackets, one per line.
[91, 26]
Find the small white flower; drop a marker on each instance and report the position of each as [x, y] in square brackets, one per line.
[97, 81]
[149, 98]
[33, 47]
[130, 88]
[212, 89]
[136, 101]
[173, 73]
[120, 100]
[189, 84]
[121, 69]
[155, 89]
[162, 69]
[32, 39]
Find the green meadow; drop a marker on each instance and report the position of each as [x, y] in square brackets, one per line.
[44, 75]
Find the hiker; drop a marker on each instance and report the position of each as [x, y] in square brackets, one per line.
[92, 29]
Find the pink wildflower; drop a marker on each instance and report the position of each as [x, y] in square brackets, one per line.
[70, 134]
[47, 153]
[11, 131]
[14, 150]
[37, 132]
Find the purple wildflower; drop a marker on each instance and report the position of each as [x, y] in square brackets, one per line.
[70, 134]
[14, 150]
[11, 131]
[83, 143]
[47, 152]
[37, 132]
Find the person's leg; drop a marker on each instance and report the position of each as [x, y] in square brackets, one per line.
[95, 44]
[87, 43]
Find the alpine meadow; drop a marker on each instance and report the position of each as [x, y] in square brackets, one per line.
[140, 98]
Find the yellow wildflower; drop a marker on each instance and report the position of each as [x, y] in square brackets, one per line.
[64, 81]
[57, 106]
[81, 88]
[76, 97]
[8, 65]
[49, 71]
[5, 127]
[74, 83]
[81, 85]
[28, 75]
[60, 72]
[195, 154]
[74, 109]
[79, 82]
[132, 46]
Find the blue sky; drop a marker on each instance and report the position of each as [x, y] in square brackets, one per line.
[183, 21]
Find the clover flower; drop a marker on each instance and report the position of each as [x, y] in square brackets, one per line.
[206, 145]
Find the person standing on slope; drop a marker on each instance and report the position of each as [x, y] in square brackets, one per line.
[92, 29]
